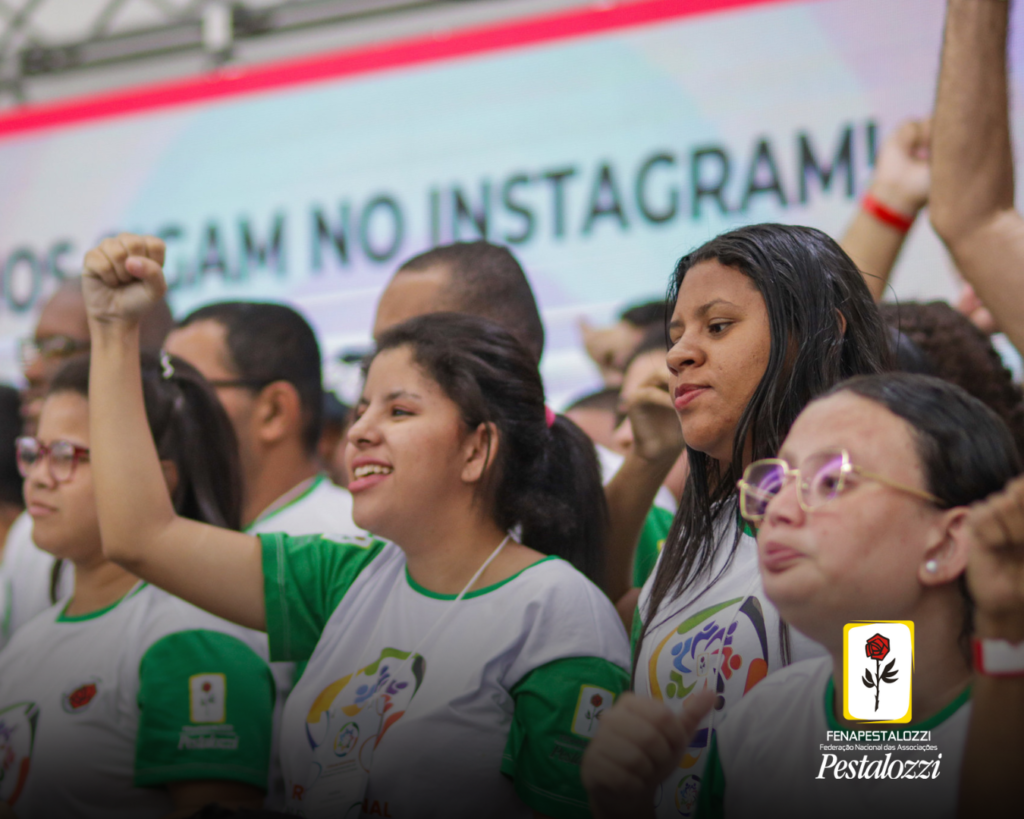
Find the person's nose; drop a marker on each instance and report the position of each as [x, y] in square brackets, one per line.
[685, 354]
[785, 507]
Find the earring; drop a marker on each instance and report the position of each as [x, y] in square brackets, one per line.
[931, 566]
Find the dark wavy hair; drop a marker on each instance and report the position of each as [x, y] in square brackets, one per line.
[965, 450]
[190, 428]
[959, 352]
[545, 480]
[824, 327]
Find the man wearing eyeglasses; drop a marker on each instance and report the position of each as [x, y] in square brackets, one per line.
[30, 579]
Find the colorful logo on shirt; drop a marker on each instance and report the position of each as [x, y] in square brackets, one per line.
[78, 698]
[723, 648]
[592, 703]
[17, 735]
[687, 790]
[878, 663]
[346, 722]
[207, 698]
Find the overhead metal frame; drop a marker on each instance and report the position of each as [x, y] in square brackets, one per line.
[210, 27]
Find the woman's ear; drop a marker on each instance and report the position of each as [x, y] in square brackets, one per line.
[171, 477]
[481, 449]
[949, 545]
[842, 321]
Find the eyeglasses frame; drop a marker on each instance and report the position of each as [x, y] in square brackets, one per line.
[79, 454]
[847, 467]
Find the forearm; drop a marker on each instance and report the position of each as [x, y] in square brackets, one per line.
[874, 247]
[630, 495]
[131, 493]
[990, 778]
[138, 524]
[972, 159]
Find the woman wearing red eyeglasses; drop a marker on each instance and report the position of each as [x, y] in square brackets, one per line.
[863, 516]
[125, 701]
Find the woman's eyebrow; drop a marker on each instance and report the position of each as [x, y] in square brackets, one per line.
[391, 396]
[704, 309]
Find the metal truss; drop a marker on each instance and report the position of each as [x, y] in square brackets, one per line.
[209, 27]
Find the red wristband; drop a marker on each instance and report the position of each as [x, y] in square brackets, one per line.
[998, 658]
[883, 213]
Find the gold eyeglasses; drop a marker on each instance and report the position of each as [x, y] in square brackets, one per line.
[828, 473]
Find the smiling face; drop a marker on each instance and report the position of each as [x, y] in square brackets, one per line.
[64, 521]
[407, 452]
[861, 555]
[720, 345]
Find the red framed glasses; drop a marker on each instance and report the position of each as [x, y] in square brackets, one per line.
[61, 456]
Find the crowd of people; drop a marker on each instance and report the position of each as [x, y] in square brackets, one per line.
[225, 594]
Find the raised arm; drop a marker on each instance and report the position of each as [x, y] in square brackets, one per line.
[990, 779]
[898, 192]
[216, 569]
[971, 201]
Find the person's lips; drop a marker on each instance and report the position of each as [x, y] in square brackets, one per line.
[777, 557]
[39, 510]
[368, 472]
[686, 394]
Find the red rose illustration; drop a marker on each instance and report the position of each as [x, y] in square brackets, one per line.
[877, 647]
[81, 697]
[596, 700]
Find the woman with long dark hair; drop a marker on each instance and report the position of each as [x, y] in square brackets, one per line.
[457, 670]
[124, 701]
[863, 517]
[765, 318]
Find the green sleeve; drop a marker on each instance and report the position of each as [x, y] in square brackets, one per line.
[206, 703]
[711, 799]
[304, 579]
[556, 711]
[652, 538]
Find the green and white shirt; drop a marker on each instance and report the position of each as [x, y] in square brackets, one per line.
[415, 705]
[769, 753]
[723, 636]
[97, 710]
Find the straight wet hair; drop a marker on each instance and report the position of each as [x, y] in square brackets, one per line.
[190, 429]
[543, 480]
[824, 327]
[965, 450]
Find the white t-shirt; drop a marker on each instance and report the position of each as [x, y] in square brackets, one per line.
[415, 705]
[25, 576]
[97, 710]
[769, 754]
[726, 639]
[320, 507]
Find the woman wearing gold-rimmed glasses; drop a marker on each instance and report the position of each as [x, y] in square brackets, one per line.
[863, 516]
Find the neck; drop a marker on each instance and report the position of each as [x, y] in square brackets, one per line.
[941, 672]
[277, 473]
[443, 558]
[98, 584]
[8, 514]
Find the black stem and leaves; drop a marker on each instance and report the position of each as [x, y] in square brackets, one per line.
[888, 675]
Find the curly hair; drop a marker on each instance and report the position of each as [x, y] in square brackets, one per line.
[962, 354]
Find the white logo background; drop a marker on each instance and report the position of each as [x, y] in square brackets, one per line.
[206, 697]
[894, 699]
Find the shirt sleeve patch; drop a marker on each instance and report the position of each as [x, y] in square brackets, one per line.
[592, 703]
[206, 703]
[557, 707]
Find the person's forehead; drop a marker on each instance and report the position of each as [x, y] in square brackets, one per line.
[64, 315]
[711, 279]
[868, 431]
[203, 344]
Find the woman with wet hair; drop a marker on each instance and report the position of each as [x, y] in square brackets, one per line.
[864, 515]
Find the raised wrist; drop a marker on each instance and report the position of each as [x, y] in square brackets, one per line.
[892, 197]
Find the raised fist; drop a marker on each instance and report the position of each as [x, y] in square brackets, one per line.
[903, 176]
[122, 278]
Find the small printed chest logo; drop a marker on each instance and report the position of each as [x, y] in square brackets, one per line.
[78, 698]
[592, 703]
[878, 660]
[207, 695]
